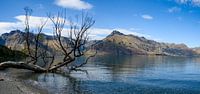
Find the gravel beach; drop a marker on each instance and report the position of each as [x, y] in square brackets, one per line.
[12, 85]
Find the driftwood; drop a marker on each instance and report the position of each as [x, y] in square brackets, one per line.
[21, 65]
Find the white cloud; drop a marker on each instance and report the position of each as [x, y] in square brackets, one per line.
[147, 17]
[6, 26]
[190, 2]
[34, 22]
[19, 24]
[74, 4]
[129, 31]
[100, 33]
[174, 9]
[94, 33]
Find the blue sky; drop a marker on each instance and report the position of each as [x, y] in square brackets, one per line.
[174, 21]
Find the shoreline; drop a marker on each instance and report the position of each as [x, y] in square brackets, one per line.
[13, 85]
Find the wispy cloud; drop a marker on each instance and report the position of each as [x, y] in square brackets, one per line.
[189, 2]
[174, 9]
[35, 21]
[100, 33]
[74, 4]
[7, 26]
[147, 17]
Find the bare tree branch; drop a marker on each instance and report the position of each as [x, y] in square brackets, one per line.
[72, 47]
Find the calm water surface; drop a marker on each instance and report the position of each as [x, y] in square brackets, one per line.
[127, 75]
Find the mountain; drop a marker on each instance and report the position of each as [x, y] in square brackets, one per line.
[197, 50]
[14, 40]
[119, 43]
[115, 43]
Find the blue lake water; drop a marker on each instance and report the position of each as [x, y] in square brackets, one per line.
[128, 75]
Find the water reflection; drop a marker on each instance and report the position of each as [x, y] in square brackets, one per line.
[55, 83]
[61, 84]
[126, 74]
[122, 66]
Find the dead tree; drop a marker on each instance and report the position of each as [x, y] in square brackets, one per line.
[72, 47]
[33, 41]
[77, 38]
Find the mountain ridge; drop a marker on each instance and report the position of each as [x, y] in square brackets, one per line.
[119, 43]
[114, 43]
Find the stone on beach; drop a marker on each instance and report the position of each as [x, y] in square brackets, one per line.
[1, 79]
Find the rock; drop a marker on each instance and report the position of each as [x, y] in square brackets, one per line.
[1, 79]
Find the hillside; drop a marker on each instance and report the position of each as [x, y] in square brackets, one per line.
[119, 43]
[115, 43]
[10, 55]
[197, 50]
[14, 40]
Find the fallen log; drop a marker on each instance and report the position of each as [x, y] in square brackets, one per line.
[21, 65]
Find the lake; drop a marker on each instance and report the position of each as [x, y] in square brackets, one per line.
[127, 75]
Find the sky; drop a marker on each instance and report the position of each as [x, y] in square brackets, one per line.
[172, 21]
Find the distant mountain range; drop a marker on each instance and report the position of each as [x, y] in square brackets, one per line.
[119, 43]
[115, 43]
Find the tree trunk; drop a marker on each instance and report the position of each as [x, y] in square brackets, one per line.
[21, 65]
